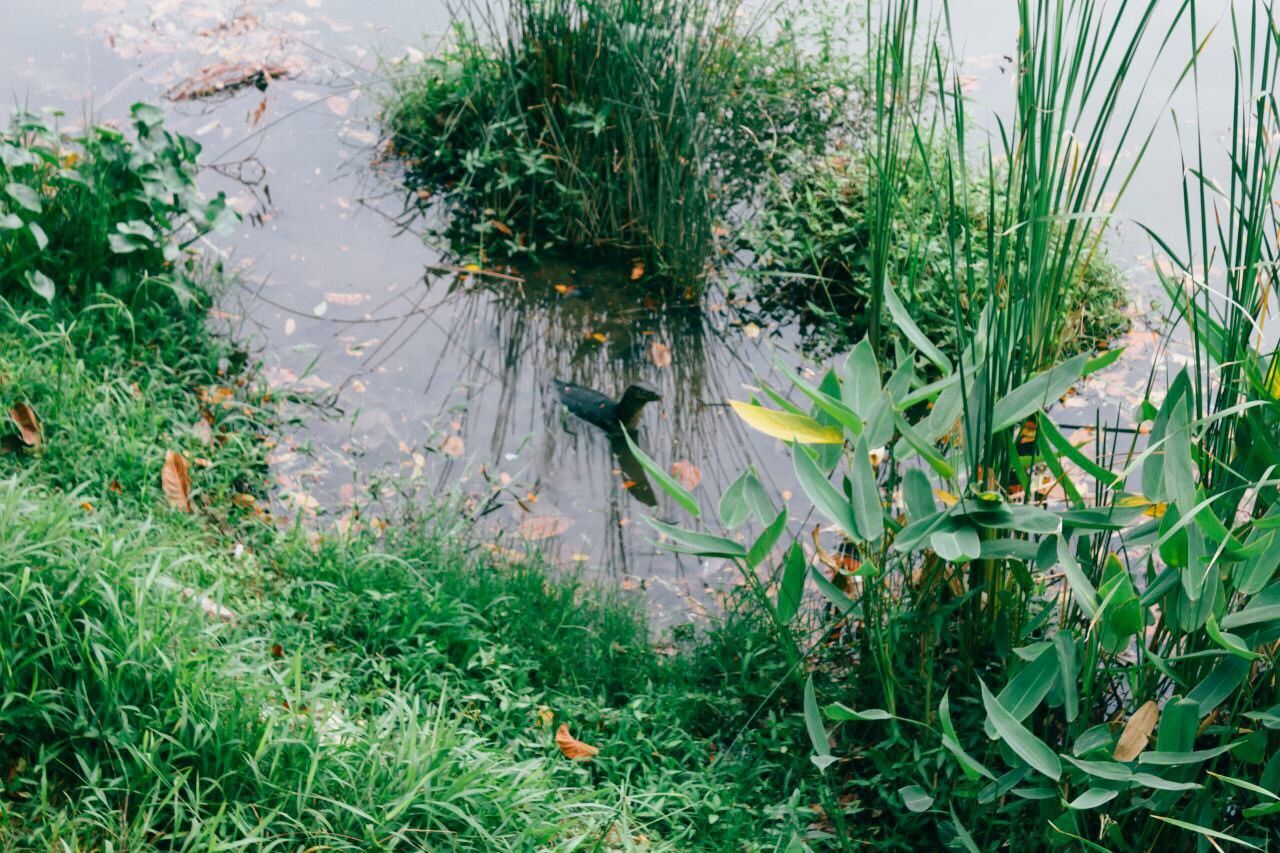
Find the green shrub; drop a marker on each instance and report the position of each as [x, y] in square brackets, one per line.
[100, 212]
[813, 242]
[618, 128]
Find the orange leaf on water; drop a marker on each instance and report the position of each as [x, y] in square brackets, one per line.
[24, 417]
[659, 354]
[452, 446]
[571, 747]
[176, 481]
[538, 527]
[686, 473]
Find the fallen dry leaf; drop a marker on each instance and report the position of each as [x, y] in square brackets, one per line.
[453, 446]
[539, 527]
[571, 747]
[176, 481]
[686, 473]
[1137, 731]
[659, 354]
[24, 417]
[637, 271]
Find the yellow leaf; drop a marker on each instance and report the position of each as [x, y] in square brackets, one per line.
[572, 747]
[1137, 731]
[176, 481]
[1132, 500]
[787, 426]
[637, 271]
[946, 497]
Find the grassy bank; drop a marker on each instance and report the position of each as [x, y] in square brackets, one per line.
[182, 671]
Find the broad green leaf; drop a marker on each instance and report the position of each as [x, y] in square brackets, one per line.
[860, 381]
[962, 834]
[1112, 771]
[25, 196]
[956, 541]
[843, 713]
[828, 500]
[1230, 642]
[1093, 798]
[733, 506]
[787, 426]
[764, 544]
[1174, 759]
[1026, 745]
[41, 285]
[1159, 783]
[701, 544]
[917, 494]
[867, 510]
[1065, 647]
[791, 589]
[1081, 589]
[831, 406]
[971, 767]
[843, 604]
[1036, 393]
[1026, 690]
[668, 483]
[813, 725]
[915, 798]
[902, 319]
[922, 446]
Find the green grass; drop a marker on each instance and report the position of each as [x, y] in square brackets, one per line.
[815, 242]
[204, 680]
[615, 128]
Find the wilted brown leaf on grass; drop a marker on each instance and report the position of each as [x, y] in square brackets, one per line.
[540, 527]
[1137, 731]
[659, 354]
[686, 473]
[28, 425]
[176, 481]
[573, 748]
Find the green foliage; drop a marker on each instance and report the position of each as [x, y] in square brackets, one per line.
[179, 680]
[100, 212]
[816, 236]
[617, 127]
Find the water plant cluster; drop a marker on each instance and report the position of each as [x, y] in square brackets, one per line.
[1015, 640]
[619, 129]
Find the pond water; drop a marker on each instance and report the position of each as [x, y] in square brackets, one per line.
[441, 379]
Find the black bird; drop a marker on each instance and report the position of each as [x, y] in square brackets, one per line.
[595, 408]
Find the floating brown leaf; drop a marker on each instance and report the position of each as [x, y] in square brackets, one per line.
[540, 527]
[572, 747]
[28, 425]
[686, 473]
[452, 446]
[659, 354]
[176, 481]
[1137, 731]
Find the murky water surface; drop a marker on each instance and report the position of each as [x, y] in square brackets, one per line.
[442, 379]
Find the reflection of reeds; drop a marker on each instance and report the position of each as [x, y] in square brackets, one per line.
[488, 347]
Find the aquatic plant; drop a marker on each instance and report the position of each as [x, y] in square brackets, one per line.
[613, 128]
[1013, 639]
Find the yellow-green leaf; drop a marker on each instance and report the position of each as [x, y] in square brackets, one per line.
[786, 426]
